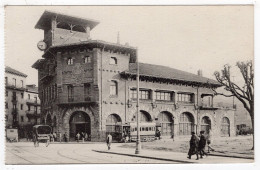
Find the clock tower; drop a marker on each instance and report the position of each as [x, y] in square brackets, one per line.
[60, 29]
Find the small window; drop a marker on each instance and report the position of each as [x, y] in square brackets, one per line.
[21, 106]
[22, 95]
[22, 119]
[70, 61]
[6, 105]
[6, 93]
[87, 59]
[14, 82]
[29, 97]
[113, 88]
[113, 60]
[29, 108]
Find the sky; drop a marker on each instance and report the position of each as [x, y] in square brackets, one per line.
[188, 38]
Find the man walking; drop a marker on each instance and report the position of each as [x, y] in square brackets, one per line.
[194, 141]
[202, 145]
[109, 141]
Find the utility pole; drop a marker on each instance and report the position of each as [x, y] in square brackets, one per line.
[138, 141]
[233, 96]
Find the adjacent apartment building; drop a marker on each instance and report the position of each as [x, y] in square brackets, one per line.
[90, 85]
[22, 105]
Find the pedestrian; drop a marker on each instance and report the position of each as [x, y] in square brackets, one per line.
[60, 136]
[55, 136]
[86, 136]
[65, 137]
[159, 134]
[194, 142]
[109, 141]
[202, 145]
[51, 137]
[209, 142]
[83, 136]
[77, 137]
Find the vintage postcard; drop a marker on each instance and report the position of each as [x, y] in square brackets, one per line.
[129, 84]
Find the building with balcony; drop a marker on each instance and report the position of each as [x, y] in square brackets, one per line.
[90, 86]
[22, 105]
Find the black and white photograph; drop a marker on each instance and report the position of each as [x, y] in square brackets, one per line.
[170, 84]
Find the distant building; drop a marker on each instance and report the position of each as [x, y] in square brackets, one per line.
[22, 105]
[90, 86]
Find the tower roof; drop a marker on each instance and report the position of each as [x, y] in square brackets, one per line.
[45, 21]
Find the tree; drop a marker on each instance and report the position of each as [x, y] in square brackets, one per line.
[244, 93]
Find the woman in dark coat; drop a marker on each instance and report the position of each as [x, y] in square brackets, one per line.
[202, 145]
[193, 146]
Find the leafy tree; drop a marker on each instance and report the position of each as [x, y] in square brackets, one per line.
[244, 93]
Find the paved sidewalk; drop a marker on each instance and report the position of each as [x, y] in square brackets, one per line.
[171, 156]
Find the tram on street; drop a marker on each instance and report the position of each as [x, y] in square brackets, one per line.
[147, 131]
[41, 134]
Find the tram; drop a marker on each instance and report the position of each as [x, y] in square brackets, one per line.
[147, 131]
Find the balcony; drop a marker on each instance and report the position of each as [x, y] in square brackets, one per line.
[33, 114]
[75, 100]
[13, 87]
[33, 102]
[207, 107]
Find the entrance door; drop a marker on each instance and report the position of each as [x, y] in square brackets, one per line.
[79, 122]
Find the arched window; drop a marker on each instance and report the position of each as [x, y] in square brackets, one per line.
[225, 127]
[70, 61]
[205, 124]
[78, 28]
[186, 125]
[113, 60]
[113, 88]
[166, 122]
[63, 25]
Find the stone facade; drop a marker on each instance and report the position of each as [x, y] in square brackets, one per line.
[81, 78]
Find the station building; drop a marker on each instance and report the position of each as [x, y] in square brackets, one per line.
[90, 85]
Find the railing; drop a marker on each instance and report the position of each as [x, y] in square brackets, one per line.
[11, 86]
[33, 102]
[63, 99]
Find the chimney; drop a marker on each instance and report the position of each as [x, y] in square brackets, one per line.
[118, 38]
[200, 72]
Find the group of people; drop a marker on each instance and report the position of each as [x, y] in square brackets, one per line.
[53, 137]
[198, 144]
[82, 135]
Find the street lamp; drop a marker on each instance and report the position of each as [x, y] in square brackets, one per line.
[138, 141]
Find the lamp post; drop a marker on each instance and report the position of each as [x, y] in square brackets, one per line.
[138, 141]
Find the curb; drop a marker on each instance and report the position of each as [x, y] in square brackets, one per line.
[141, 156]
[229, 156]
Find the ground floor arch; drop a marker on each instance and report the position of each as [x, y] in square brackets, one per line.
[225, 127]
[186, 124]
[166, 122]
[79, 123]
[113, 126]
[205, 124]
[145, 116]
